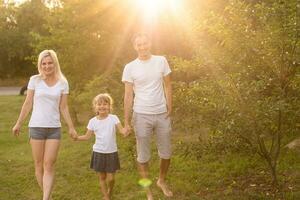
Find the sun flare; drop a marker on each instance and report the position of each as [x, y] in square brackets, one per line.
[152, 8]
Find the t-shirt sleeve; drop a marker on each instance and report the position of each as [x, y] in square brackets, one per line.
[31, 83]
[166, 67]
[116, 119]
[65, 88]
[90, 125]
[127, 75]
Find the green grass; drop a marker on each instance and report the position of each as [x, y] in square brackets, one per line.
[214, 176]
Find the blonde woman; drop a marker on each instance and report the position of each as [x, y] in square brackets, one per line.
[47, 98]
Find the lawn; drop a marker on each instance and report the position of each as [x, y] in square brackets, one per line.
[211, 176]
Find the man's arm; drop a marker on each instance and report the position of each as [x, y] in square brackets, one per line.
[168, 93]
[128, 99]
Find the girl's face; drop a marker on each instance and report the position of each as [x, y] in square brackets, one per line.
[103, 108]
[47, 66]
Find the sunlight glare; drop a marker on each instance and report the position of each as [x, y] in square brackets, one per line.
[152, 8]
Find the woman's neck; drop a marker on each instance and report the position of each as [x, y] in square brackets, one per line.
[50, 78]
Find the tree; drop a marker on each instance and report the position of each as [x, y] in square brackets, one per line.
[248, 75]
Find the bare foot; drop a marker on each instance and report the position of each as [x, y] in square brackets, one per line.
[163, 186]
[106, 198]
[149, 194]
[109, 193]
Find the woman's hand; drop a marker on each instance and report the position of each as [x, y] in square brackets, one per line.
[73, 134]
[16, 129]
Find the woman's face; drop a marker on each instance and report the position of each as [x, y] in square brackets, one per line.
[47, 66]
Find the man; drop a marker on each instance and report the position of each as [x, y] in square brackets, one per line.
[148, 79]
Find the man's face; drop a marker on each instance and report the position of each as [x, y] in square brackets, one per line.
[142, 46]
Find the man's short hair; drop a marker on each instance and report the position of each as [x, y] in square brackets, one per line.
[140, 34]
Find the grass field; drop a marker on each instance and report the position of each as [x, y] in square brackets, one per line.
[213, 176]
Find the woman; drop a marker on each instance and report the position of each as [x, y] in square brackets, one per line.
[47, 97]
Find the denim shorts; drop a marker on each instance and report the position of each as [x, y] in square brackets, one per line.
[41, 133]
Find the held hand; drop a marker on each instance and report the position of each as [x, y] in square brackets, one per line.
[74, 137]
[16, 130]
[127, 130]
[73, 134]
[169, 113]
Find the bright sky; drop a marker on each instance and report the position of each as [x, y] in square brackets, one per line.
[14, 1]
[149, 7]
[152, 8]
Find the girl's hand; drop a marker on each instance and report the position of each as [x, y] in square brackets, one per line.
[16, 129]
[75, 138]
[126, 131]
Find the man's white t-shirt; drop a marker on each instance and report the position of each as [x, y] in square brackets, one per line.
[105, 133]
[46, 100]
[147, 78]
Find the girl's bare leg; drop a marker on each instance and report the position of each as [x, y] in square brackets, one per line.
[110, 179]
[103, 188]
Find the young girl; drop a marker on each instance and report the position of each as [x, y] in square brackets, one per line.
[104, 159]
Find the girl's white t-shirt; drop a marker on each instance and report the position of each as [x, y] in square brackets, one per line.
[147, 78]
[105, 133]
[46, 100]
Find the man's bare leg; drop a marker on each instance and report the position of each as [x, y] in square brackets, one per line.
[164, 166]
[143, 170]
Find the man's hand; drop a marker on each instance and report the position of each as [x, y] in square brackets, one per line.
[128, 129]
[169, 112]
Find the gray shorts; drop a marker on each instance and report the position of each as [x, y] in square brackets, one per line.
[41, 133]
[144, 126]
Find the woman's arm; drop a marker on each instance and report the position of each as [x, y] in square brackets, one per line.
[26, 108]
[64, 109]
[85, 137]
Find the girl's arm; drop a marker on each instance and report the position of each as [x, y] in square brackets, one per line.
[64, 109]
[86, 136]
[26, 108]
[122, 130]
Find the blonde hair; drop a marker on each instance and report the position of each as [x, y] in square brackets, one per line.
[105, 97]
[54, 58]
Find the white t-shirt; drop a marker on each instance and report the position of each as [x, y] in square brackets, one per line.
[46, 100]
[147, 78]
[105, 133]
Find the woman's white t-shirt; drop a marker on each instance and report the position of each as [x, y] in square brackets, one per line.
[105, 133]
[46, 100]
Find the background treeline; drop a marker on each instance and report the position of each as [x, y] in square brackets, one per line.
[235, 66]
